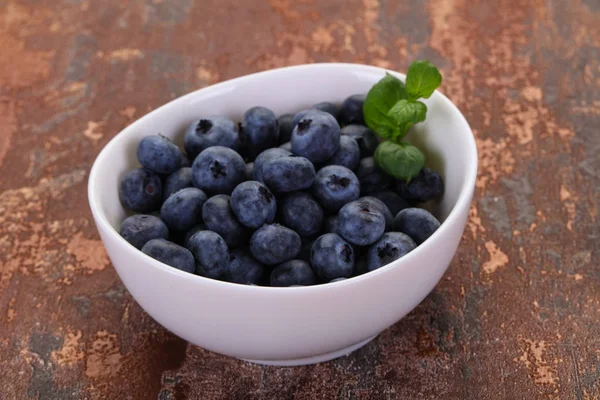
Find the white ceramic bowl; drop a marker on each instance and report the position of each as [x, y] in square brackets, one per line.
[286, 326]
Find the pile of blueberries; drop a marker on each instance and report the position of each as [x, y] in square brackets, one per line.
[236, 207]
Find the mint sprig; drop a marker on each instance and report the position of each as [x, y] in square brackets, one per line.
[380, 100]
[399, 159]
[391, 108]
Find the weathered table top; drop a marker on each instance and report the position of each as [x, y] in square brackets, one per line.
[515, 317]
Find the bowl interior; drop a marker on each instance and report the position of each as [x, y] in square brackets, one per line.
[444, 137]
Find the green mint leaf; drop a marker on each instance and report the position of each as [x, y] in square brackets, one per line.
[402, 161]
[406, 113]
[422, 79]
[380, 99]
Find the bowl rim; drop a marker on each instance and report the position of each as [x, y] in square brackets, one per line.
[463, 201]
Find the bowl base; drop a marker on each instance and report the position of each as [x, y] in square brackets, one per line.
[314, 359]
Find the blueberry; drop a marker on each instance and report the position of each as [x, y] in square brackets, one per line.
[335, 186]
[428, 185]
[253, 204]
[191, 232]
[208, 132]
[329, 108]
[139, 229]
[274, 244]
[393, 202]
[219, 217]
[351, 111]
[286, 146]
[371, 178]
[331, 224]
[297, 117]
[159, 154]
[211, 254]
[348, 155]
[180, 179]
[380, 205]
[332, 257]
[141, 190]
[293, 272]
[301, 212]
[288, 174]
[316, 137]
[183, 209]
[260, 130]
[390, 247]
[170, 253]
[265, 156]
[249, 171]
[285, 127]
[218, 170]
[417, 223]
[365, 138]
[337, 280]
[243, 268]
[361, 223]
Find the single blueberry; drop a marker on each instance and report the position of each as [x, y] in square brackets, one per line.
[428, 185]
[286, 146]
[331, 224]
[365, 138]
[380, 205]
[351, 111]
[361, 223]
[293, 272]
[253, 204]
[285, 127]
[208, 132]
[243, 268]
[183, 209]
[219, 217]
[211, 254]
[259, 130]
[332, 257]
[301, 212]
[180, 179]
[316, 137]
[348, 155]
[170, 253]
[297, 117]
[141, 190]
[267, 155]
[274, 244]
[329, 108]
[390, 247]
[159, 154]
[393, 201]
[371, 178]
[139, 229]
[288, 174]
[249, 171]
[191, 232]
[335, 186]
[218, 170]
[417, 223]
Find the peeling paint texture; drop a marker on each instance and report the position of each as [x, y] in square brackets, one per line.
[515, 317]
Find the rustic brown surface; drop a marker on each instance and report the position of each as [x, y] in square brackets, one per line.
[516, 315]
